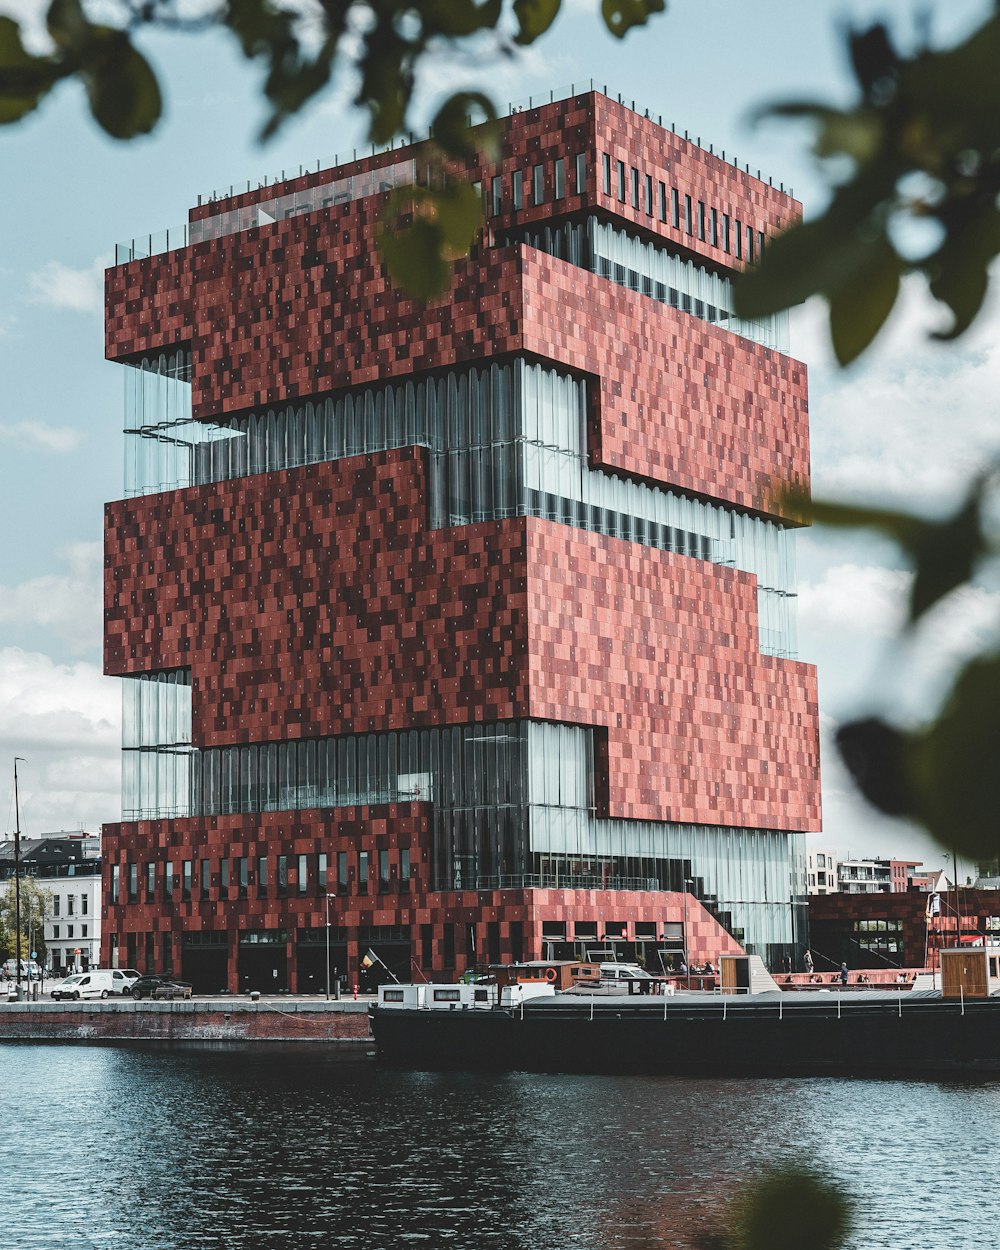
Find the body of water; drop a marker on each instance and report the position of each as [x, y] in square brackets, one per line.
[158, 1149]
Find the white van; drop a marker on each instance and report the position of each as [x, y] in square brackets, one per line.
[98, 983]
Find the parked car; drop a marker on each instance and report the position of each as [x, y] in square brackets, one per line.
[29, 970]
[147, 986]
[125, 978]
[172, 989]
[98, 983]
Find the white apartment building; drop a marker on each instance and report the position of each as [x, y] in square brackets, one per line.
[822, 872]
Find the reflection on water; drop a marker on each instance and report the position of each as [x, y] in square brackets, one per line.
[254, 1150]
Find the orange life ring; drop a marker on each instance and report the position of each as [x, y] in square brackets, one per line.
[551, 975]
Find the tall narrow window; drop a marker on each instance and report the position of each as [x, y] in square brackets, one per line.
[206, 876]
[517, 189]
[168, 881]
[649, 195]
[362, 872]
[663, 201]
[116, 883]
[404, 870]
[342, 881]
[496, 189]
[581, 173]
[538, 180]
[224, 876]
[262, 876]
[242, 875]
[725, 232]
[321, 871]
[303, 873]
[133, 884]
[560, 177]
[282, 878]
[675, 208]
[688, 216]
[701, 220]
[713, 227]
[635, 188]
[150, 882]
[750, 243]
[738, 237]
[187, 877]
[606, 166]
[383, 872]
[760, 244]
[621, 180]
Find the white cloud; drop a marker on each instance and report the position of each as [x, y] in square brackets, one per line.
[76, 290]
[854, 599]
[31, 435]
[65, 720]
[68, 604]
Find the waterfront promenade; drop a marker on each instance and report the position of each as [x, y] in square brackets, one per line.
[272, 1018]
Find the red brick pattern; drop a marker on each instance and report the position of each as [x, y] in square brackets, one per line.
[316, 602]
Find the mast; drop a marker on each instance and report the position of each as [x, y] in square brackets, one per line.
[17, 880]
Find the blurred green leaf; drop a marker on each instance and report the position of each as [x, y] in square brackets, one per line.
[534, 18]
[457, 18]
[123, 92]
[414, 259]
[459, 212]
[945, 553]
[860, 304]
[24, 79]
[954, 764]
[793, 1209]
[875, 754]
[621, 15]
[457, 134]
[424, 230]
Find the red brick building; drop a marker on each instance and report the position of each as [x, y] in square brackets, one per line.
[473, 621]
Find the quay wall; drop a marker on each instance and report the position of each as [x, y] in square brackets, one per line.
[236, 1021]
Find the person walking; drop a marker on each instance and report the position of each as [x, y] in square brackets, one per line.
[808, 961]
[843, 974]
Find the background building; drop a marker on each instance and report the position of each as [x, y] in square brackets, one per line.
[474, 620]
[67, 866]
[830, 875]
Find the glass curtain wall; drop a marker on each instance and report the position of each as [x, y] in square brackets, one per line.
[513, 807]
[506, 440]
[653, 270]
[156, 745]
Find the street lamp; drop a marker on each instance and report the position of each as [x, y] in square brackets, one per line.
[17, 879]
[326, 899]
[687, 947]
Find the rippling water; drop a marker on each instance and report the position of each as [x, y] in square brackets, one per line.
[254, 1150]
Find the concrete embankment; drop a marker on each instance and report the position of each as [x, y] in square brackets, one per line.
[215, 1020]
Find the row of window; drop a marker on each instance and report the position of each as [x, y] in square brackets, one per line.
[380, 872]
[70, 904]
[646, 194]
[70, 931]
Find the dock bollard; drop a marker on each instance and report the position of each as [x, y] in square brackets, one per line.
[255, 996]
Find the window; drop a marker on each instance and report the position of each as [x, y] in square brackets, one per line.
[69, 930]
[760, 247]
[363, 872]
[701, 220]
[581, 173]
[820, 861]
[750, 243]
[649, 196]
[635, 188]
[321, 870]
[150, 882]
[738, 233]
[496, 190]
[725, 232]
[71, 898]
[517, 189]
[206, 875]
[187, 873]
[282, 875]
[383, 872]
[688, 216]
[342, 872]
[133, 887]
[404, 870]
[675, 208]
[224, 874]
[621, 197]
[303, 873]
[168, 880]
[713, 227]
[262, 877]
[606, 164]
[55, 931]
[538, 184]
[447, 996]
[83, 930]
[115, 886]
[392, 996]
[242, 876]
[663, 201]
[560, 178]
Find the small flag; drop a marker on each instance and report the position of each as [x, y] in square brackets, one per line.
[933, 905]
[370, 959]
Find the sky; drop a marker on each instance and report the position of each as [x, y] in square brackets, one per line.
[902, 427]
